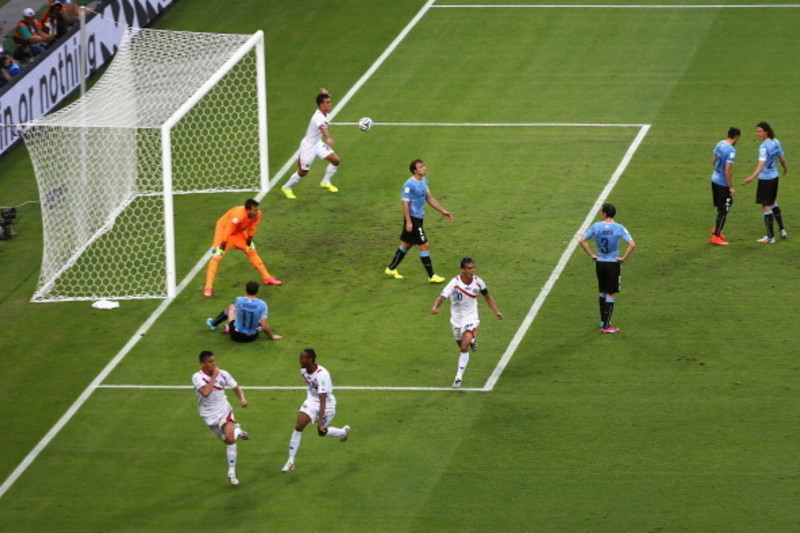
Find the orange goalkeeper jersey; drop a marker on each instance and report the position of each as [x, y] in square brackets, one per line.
[235, 221]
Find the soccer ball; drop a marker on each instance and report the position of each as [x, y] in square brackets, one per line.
[365, 124]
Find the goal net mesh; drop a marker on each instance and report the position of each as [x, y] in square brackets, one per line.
[100, 168]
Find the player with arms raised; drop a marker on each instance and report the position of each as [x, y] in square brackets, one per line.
[463, 293]
[319, 407]
[209, 386]
[312, 146]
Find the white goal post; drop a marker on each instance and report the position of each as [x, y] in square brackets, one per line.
[176, 113]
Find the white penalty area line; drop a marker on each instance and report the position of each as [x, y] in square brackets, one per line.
[279, 387]
[497, 124]
[616, 6]
[562, 262]
[97, 381]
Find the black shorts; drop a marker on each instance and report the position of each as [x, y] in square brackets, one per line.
[721, 195]
[767, 192]
[608, 275]
[238, 336]
[417, 233]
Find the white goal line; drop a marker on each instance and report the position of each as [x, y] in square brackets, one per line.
[616, 6]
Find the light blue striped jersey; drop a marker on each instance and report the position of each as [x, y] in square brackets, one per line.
[724, 154]
[769, 151]
[607, 236]
[415, 192]
[249, 312]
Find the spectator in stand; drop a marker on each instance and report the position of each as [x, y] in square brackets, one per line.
[57, 16]
[29, 34]
[9, 68]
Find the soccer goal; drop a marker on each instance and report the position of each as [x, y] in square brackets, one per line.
[175, 113]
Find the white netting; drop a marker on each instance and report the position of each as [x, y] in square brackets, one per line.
[99, 163]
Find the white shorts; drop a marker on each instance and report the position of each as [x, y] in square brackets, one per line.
[307, 154]
[215, 423]
[311, 408]
[467, 325]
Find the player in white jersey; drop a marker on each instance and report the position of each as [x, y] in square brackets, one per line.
[209, 386]
[319, 407]
[312, 146]
[463, 293]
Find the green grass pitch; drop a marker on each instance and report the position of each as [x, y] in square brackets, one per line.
[685, 421]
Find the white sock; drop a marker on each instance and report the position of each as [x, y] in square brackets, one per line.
[231, 458]
[294, 443]
[335, 432]
[329, 172]
[294, 179]
[237, 432]
[463, 361]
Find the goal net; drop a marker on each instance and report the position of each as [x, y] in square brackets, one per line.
[175, 113]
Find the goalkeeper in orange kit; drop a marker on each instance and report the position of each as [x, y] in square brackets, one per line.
[235, 229]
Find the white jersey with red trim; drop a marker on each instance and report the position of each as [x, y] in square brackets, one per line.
[463, 298]
[313, 133]
[216, 403]
[318, 382]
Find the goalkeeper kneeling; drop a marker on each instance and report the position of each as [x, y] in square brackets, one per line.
[236, 229]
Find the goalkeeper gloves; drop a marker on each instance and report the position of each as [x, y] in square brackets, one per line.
[251, 246]
[218, 251]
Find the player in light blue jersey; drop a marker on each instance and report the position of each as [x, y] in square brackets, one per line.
[722, 191]
[246, 317]
[607, 235]
[415, 194]
[770, 153]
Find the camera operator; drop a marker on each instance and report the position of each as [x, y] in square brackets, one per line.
[57, 17]
[7, 216]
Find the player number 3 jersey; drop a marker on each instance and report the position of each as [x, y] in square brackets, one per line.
[464, 298]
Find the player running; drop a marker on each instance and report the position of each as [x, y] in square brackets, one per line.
[319, 407]
[463, 293]
[312, 146]
[209, 386]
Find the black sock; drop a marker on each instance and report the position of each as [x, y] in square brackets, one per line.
[604, 314]
[768, 221]
[427, 263]
[399, 255]
[222, 317]
[776, 211]
[610, 311]
[601, 301]
[720, 223]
